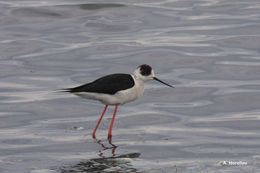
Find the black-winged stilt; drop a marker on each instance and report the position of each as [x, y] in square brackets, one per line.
[116, 89]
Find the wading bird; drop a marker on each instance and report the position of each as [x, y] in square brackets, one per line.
[116, 89]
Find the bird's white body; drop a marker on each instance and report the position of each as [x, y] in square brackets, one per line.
[120, 97]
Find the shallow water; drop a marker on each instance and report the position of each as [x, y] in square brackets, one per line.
[208, 49]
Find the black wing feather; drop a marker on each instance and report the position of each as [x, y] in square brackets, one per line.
[109, 84]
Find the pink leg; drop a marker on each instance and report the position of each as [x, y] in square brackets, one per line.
[109, 136]
[98, 123]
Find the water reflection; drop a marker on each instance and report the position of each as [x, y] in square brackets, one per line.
[114, 163]
[105, 147]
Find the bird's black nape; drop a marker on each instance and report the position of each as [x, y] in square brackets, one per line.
[145, 69]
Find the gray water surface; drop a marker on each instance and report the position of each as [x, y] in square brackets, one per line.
[208, 49]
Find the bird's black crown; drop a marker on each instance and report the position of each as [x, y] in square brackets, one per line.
[145, 69]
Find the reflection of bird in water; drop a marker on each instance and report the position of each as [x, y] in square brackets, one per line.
[109, 164]
[116, 89]
[104, 148]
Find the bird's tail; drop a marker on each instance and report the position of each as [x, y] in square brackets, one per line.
[64, 90]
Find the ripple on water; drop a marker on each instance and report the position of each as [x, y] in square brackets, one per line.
[207, 49]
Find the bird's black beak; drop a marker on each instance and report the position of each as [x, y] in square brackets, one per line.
[155, 78]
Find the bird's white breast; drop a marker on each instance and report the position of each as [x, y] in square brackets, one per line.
[131, 94]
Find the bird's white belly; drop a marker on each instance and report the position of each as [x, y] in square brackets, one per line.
[121, 97]
[128, 95]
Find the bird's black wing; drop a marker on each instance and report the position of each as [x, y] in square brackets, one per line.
[109, 84]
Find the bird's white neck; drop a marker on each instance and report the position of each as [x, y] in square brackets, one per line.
[139, 86]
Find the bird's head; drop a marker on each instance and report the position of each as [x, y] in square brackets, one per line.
[145, 73]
